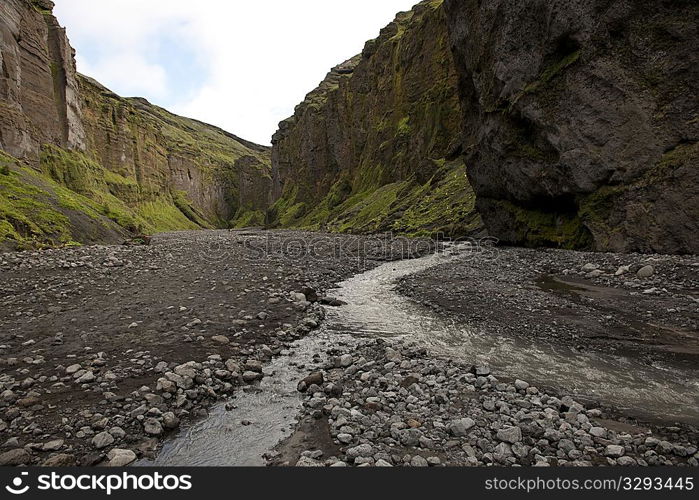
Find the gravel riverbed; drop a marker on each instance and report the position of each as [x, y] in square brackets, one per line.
[106, 352]
[390, 404]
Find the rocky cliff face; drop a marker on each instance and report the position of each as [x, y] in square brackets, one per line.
[376, 146]
[580, 120]
[99, 165]
[219, 175]
[38, 85]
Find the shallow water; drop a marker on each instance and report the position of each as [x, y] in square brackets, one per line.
[374, 309]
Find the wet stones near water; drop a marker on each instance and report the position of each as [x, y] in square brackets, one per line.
[614, 303]
[401, 407]
[314, 379]
[170, 306]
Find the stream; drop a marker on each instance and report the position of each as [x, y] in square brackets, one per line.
[374, 309]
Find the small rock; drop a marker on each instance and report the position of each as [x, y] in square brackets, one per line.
[18, 456]
[170, 421]
[251, 376]
[460, 428]
[120, 458]
[481, 370]
[59, 460]
[614, 451]
[315, 378]
[626, 462]
[598, 432]
[646, 272]
[152, 427]
[521, 385]
[363, 450]
[102, 440]
[54, 445]
[73, 369]
[308, 462]
[86, 378]
[622, 270]
[510, 435]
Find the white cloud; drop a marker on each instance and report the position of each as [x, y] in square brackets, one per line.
[251, 61]
[142, 77]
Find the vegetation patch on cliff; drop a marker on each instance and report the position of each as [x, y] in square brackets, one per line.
[444, 205]
[36, 211]
[375, 147]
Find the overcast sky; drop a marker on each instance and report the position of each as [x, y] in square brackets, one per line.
[240, 64]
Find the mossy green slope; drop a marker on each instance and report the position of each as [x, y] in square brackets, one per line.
[36, 211]
[376, 146]
[78, 152]
[175, 172]
[145, 171]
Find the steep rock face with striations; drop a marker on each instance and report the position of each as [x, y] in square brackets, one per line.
[581, 120]
[376, 146]
[218, 175]
[38, 86]
[81, 164]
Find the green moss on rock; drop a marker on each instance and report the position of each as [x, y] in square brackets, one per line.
[36, 211]
[538, 228]
[374, 148]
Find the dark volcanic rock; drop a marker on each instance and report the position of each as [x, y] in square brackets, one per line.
[580, 120]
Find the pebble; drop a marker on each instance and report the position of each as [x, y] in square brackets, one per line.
[120, 457]
[102, 440]
[614, 451]
[15, 457]
[646, 272]
[510, 435]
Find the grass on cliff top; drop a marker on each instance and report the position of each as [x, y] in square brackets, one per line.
[213, 150]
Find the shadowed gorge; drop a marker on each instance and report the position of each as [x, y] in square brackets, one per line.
[576, 124]
[581, 120]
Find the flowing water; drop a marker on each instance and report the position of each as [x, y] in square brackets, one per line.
[373, 310]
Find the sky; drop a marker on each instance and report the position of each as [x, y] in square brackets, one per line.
[242, 65]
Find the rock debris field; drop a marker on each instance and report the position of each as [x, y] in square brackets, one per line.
[105, 352]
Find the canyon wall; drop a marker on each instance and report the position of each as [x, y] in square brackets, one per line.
[570, 124]
[376, 147]
[82, 164]
[575, 121]
[581, 120]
